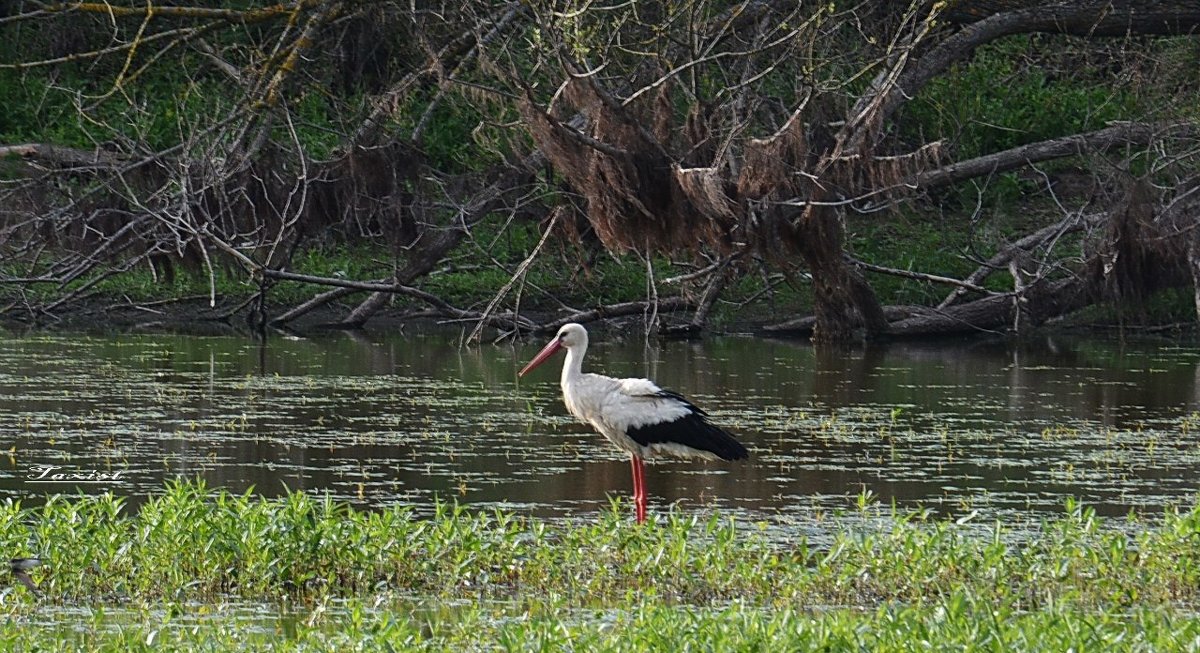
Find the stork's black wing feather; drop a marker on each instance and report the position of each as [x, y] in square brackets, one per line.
[692, 429]
[671, 394]
[27, 581]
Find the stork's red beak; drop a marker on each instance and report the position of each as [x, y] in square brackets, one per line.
[546, 352]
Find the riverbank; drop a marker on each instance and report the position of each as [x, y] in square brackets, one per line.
[1169, 314]
[195, 565]
[564, 282]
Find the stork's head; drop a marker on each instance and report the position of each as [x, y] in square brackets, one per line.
[572, 335]
[569, 336]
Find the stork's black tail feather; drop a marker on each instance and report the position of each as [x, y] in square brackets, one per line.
[692, 430]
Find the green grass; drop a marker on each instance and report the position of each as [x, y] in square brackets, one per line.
[323, 574]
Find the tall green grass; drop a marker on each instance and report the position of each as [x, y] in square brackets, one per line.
[192, 543]
[202, 568]
[325, 575]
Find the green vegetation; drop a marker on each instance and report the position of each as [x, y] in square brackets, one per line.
[1019, 90]
[190, 566]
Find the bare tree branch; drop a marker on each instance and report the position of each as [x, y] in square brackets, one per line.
[1118, 135]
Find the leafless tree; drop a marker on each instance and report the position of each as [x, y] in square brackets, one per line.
[749, 128]
[736, 135]
[244, 183]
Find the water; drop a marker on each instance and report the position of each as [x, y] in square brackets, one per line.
[955, 427]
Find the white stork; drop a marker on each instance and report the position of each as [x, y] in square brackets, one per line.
[635, 414]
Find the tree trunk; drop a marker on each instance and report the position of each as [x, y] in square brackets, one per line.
[843, 301]
[1108, 17]
[1194, 265]
[365, 310]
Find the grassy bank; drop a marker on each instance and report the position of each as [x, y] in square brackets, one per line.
[324, 574]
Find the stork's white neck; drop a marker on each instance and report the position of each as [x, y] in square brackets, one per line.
[573, 365]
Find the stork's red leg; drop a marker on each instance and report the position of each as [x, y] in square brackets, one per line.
[637, 483]
[639, 489]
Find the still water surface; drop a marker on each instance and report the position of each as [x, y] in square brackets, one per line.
[376, 419]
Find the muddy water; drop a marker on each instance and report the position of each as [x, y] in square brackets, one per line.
[374, 420]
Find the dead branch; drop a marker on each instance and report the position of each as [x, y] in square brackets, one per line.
[506, 320]
[516, 276]
[59, 156]
[181, 35]
[708, 299]
[271, 12]
[1091, 18]
[918, 276]
[511, 12]
[305, 41]
[1032, 241]
[1118, 135]
[613, 310]
[704, 271]
[1113, 17]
